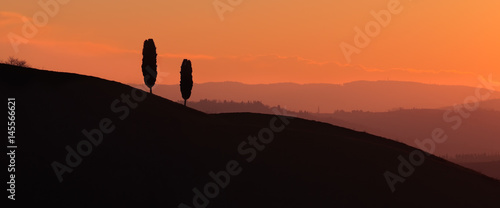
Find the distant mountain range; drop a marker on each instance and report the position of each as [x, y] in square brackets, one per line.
[490, 105]
[374, 96]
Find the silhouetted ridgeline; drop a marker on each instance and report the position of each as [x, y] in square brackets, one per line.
[490, 168]
[161, 153]
[476, 134]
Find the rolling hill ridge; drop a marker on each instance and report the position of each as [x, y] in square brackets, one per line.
[126, 147]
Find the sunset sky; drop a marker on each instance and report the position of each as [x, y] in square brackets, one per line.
[259, 41]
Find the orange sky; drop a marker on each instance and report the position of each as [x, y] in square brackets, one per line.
[259, 41]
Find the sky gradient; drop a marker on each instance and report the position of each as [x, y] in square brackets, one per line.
[438, 42]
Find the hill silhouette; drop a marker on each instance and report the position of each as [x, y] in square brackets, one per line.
[477, 134]
[491, 168]
[161, 150]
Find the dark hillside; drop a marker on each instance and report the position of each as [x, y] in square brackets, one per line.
[157, 153]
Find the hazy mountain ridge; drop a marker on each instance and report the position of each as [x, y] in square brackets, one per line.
[377, 96]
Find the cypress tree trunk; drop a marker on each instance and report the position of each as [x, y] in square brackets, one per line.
[184, 102]
[151, 90]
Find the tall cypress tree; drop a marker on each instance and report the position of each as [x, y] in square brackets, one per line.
[186, 79]
[149, 63]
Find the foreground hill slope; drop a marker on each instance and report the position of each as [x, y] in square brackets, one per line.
[491, 168]
[158, 152]
[477, 133]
